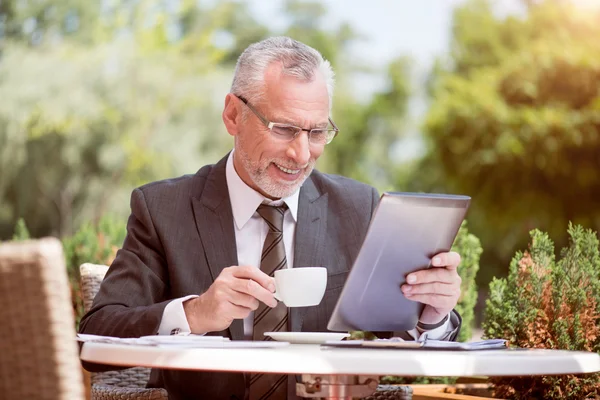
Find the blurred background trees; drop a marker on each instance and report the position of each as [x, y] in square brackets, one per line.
[99, 97]
[514, 121]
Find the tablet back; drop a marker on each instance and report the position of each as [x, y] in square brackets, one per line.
[406, 231]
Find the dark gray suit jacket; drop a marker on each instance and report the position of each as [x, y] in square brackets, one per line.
[180, 235]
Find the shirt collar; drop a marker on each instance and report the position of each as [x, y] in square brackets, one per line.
[245, 200]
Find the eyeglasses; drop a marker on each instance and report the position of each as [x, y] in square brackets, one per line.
[287, 132]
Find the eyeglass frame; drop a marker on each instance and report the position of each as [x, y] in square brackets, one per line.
[270, 124]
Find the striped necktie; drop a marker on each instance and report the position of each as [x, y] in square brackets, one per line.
[267, 319]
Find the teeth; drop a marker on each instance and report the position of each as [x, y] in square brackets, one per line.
[288, 171]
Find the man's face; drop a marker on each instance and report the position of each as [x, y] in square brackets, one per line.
[269, 165]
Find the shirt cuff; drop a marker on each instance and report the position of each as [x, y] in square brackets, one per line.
[174, 320]
[433, 334]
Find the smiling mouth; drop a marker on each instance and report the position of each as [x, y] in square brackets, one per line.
[287, 170]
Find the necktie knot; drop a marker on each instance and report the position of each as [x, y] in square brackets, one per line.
[273, 216]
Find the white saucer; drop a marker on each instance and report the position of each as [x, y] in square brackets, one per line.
[306, 337]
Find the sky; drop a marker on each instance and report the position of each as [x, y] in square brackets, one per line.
[419, 29]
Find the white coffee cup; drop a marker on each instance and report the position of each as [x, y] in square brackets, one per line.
[300, 287]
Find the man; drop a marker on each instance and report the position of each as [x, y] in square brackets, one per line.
[199, 251]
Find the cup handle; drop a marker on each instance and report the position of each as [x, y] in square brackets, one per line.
[277, 296]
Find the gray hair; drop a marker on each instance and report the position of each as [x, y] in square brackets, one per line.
[299, 60]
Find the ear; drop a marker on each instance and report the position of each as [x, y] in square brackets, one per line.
[232, 115]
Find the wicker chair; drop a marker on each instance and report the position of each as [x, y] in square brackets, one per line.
[127, 384]
[38, 349]
[391, 392]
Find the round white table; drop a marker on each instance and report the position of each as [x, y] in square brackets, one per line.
[359, 367]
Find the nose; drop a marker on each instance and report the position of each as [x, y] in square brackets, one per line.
[299, 149]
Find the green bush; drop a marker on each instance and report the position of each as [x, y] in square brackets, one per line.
[545, 303]
[21, 231]
[469, 248]
[92, 243]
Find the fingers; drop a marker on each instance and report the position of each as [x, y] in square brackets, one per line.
[437, 287]
[252, 288]
[248, 272]
[449, 260]
[243, 300]
[430, 275]
[434, 288]
[253, 282]
[215, 310]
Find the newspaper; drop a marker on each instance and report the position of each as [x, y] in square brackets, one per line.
[188, 341]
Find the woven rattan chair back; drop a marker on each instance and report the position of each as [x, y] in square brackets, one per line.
[38, 349]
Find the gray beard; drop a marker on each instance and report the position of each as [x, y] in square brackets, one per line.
[264, 182]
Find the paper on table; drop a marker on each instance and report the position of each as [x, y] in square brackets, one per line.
[479, 345]
[188, 341]
[83, 337]
[398, 343]
[164, 339]
[158, 339]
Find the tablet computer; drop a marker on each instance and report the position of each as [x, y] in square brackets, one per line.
[406, 231]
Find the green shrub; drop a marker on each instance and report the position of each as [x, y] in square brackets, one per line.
[21, 231]
[469, 248]
[92, 243]
[552, 304]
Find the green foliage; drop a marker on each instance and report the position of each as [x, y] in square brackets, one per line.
[514, 123]
[95, 243]
[21, 232]
[469, 248]
[85, 116]
[545, 303]
[41, 21]
[368, 132]
[78, 138]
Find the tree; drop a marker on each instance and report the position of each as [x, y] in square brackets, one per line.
[368, 131]
[80, 127]
[130, 94]
[514, 122]
[44, 21]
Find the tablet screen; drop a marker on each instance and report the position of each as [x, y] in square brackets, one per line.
[406, 231]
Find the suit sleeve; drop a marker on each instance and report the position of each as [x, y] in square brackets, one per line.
[134, 293]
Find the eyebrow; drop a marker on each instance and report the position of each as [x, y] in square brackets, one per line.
[289, 121]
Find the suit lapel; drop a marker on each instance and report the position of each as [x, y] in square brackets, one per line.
[310, 237]
[214, 221]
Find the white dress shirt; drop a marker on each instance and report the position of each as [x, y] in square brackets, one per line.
[250, 233]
